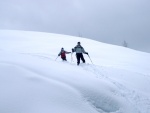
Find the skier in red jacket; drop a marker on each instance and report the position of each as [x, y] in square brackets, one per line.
[63, 54]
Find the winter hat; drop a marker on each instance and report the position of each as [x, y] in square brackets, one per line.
[78, 43]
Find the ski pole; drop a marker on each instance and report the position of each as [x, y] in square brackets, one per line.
[72, 54]
[90, 58]
[71, 57]
[56, 58]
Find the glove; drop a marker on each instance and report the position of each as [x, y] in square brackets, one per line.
[72, 50]
[87, 53]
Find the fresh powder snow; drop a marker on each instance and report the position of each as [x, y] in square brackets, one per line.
[34, 80]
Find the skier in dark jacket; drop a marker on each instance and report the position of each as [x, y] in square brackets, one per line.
[63, 54]
[79, 50]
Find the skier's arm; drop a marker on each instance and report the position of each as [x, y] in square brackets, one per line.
[74, 49]
[67, 52]
[59, 54]
[84, 51]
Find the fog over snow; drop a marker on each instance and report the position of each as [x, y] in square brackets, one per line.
[32, 80]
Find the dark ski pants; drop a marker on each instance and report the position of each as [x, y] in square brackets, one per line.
[64, 58]
[80, 56]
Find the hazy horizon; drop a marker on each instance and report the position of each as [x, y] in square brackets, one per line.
[106, 21]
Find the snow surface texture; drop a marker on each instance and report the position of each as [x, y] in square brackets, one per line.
[32, 81]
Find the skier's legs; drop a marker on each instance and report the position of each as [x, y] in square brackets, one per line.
[64, 59]
[82, 58]
[78, 58]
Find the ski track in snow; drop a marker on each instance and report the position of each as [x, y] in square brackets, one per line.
[130, 95]
[101, 72]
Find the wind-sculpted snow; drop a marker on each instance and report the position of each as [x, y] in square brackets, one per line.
[32, 80]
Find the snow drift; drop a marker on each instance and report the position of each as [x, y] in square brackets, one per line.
[31, 81]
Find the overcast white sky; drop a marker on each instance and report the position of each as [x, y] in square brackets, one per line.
[109, 21]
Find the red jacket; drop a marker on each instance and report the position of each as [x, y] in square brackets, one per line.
[63, 53]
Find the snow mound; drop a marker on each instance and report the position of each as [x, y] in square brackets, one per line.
[31, 81]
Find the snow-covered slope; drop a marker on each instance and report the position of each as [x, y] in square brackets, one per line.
[31, 81]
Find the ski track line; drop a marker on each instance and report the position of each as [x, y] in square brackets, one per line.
[126, 93]
[38, 55]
